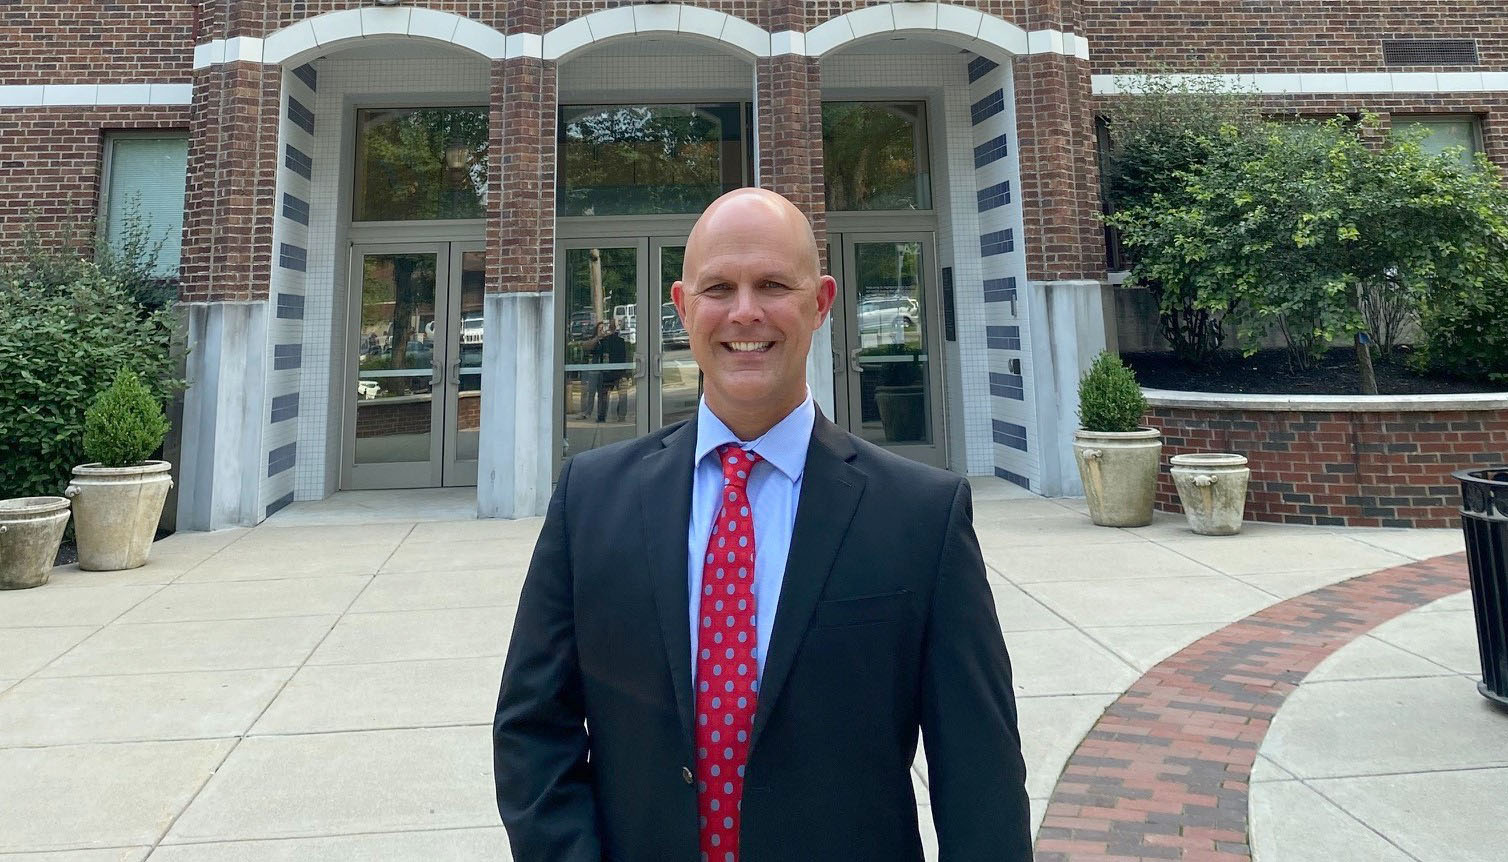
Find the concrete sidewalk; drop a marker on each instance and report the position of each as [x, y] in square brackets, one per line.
[320, 687]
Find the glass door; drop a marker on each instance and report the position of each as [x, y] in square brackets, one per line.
[394, 419]
[601, 284]
[463, 370]
[886, 375]
[678, 379]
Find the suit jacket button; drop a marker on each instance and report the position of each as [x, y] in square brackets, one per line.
[686, 775]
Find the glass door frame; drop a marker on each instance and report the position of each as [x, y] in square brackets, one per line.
[401, 474]
[453, 471]
[847, 393]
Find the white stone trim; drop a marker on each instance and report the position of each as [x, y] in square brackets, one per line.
[94, 95]
[1332, 403]
[1277, 83]
[968, 28]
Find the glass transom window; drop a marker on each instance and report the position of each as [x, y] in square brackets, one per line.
[648, 159]
[875, 156]
[420, 163]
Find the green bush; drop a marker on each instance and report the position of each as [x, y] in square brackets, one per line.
[1465, 333]
[124, 425]
[60, 345]
[1109, 397]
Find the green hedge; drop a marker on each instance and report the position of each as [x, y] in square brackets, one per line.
[60, 346]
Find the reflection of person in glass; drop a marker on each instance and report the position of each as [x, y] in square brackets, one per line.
[591, 380]
[609, 348]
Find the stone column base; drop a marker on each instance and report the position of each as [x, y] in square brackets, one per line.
[1067, 333]
[515, 460]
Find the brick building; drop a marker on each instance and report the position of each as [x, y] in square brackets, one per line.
[429, 242]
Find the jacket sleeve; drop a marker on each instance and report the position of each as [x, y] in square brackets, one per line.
[539, 737]
[976, 774]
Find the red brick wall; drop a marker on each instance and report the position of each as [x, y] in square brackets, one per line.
[412, 417]
[790, 133]
[69, 42]
[1354, 469]
[50, 162]
[1282, 35]
[521, 217]
[1060, 195]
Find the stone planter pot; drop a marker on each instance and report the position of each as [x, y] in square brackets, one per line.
[1119, 470]
[31, 529]
[903, 412]
[1212, 489]
[115, 513]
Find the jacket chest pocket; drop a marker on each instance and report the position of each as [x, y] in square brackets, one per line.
[863, 610]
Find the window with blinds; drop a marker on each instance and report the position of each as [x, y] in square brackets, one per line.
[147, 173]
[1458, 135]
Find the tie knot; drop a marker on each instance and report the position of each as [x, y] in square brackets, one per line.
[737, 463]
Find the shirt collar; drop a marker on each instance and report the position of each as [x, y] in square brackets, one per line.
[784, 445]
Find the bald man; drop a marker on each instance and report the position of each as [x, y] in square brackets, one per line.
[733, 628]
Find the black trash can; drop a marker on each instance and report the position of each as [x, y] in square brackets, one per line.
[1484, 519]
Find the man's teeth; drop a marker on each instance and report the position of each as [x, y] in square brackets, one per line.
[748, 346]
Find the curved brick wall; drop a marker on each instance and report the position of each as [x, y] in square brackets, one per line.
[1383, 461]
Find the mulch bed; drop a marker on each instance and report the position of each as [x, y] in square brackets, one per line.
[1267, 372]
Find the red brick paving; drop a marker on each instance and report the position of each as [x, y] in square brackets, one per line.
[1164, 773]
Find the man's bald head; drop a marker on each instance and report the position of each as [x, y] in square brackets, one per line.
[759, 210]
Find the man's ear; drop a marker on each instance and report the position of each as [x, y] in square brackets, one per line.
[827, 291]
[678, 296]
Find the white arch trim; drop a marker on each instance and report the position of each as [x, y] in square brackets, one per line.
[967, 28]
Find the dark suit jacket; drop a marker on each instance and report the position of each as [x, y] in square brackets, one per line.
[885, 624]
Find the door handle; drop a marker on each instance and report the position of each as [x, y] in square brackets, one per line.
[659, 366]
[853, 361]
[455, 372]
[638, 367]
[437, 373]
[837, 362]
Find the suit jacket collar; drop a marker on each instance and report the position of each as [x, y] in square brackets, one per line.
[830, 491]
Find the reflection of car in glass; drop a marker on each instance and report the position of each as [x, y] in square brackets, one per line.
[366, 390]
[626, 319]
[418, 354]
[471, 328]
[888, 317]
[672, 333]
[581, 325]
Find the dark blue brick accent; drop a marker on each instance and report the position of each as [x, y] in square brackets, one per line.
[281, 458]
[292, 257]
[1000, 289]
[1007, 386]
[284, 407]
[987, 107]
[290, 306]
[286, 356]
[1003, 337]
[1014, 477]
[1010, 434]
[295, 209]
[295, 160]
[300, 115]
[981, 66]
[997, 195]
[999, 242]
[279, 503]
[307, 74]
[990, 151]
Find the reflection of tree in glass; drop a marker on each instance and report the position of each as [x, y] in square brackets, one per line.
[869, 155]
[661, 158]
[425, 163]
[397, 292]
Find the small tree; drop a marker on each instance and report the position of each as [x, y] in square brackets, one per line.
[124, 425]
[1165, 126]
[1109, 397]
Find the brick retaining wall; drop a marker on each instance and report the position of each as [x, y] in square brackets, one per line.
[1341, 466]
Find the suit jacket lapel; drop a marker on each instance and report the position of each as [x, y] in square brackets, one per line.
[665, 502]
[830, 490]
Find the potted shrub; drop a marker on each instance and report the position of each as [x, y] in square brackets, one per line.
[118, 496]
[1118, 457]
[31, 529]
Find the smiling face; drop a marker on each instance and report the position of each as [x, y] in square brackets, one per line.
[750, 297]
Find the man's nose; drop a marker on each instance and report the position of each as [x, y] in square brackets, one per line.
[746, 306]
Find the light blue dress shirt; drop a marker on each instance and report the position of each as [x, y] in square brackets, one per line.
[774, 488]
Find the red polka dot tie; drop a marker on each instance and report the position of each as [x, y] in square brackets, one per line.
[726, 666]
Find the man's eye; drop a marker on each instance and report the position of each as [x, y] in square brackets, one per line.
[775, 285]
[716, 288]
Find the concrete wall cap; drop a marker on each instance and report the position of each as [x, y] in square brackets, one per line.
[1327, 403]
